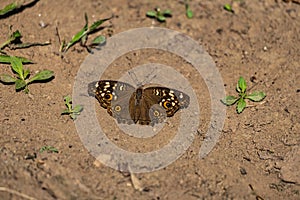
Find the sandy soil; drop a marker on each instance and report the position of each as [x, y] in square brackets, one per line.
[257, 155]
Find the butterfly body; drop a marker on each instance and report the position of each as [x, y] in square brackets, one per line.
[145, 105]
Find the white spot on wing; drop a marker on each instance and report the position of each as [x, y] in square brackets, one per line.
[180, 95]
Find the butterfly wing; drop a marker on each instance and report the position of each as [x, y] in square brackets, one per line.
[114, 96]
[170, 100]
[154, 104]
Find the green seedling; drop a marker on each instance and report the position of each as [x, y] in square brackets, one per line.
[14, 7]
[49, 149]
[83, 34]
[14, 42]
[14, 37]
[22, 78]
[188, 12]
[72, 112]
[159, 15]
[228, 7]
[240, 100]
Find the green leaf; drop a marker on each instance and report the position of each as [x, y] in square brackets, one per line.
[256, 96]
[161, 18]
[8, 8]
[67, 99]
[188, 11]
[26, 73]
[167, 12]
[241, 104]
[7, 59]
[5, 78]
[151, 13]
[228, 7]
[76, 38]
[20, 84]
[42, 75]
[73, 116]
[96, 24]
[99, 40]
[48, 148]
[17, 66]
[77, 109]
[66, 112]
[242, 85]
[83, 40]
[15, 35]
[229, 100]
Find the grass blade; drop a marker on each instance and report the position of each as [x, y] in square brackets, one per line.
[96, 24]
[77, 37]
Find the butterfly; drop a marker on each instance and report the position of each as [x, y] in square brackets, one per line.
[146, 105]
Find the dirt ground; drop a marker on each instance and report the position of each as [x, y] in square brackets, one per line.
[257, 155]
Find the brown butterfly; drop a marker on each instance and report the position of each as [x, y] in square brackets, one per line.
[145, 105]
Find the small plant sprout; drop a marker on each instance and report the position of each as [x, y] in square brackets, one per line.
[159, 15]
[83, 34]
[228, 8]
[22, 78]
[72, 112]
[188, 12]
[14, 42]
[241, 103]
[49, 149]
